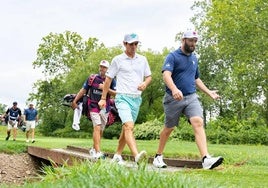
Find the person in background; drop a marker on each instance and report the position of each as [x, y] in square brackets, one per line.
[30, 118]
[133, 75]
[14, 117]
[181, 76]
[98, 117]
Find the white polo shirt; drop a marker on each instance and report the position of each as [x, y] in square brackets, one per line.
[129, 72]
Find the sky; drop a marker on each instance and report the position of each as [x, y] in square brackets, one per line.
[25, 23]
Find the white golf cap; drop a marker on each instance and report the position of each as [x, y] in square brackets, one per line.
[190, 34]
[104, 63]
[130, 38]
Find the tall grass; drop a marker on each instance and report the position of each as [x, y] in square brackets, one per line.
[105, 174]
[110, 175]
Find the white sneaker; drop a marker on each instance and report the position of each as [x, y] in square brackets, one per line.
[140, 157]
[92, 152]
[27, 141]
[118, 159]
[158, 162]
[99, 155]
[211, 162]
[76, 127]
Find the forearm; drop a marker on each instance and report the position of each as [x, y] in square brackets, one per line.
[112, 92]
[200, 85]
[148, 80]
[168, 81]
[106, 87]
[24, 117]
[79, 95]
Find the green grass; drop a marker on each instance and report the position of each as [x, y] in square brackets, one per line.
[244, 165]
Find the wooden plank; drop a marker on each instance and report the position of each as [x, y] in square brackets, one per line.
[169, 161]
[74, 154]
[55, 156]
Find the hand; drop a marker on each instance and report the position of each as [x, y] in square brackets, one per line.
[100, 86]
[102, 103]
[142, 86]
[213, 94]
[177, 94]
[74, 105]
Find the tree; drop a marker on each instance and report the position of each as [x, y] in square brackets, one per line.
[233, 54]
[59, 52]
[2, 108]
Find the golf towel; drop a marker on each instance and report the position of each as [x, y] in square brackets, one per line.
[77, 116]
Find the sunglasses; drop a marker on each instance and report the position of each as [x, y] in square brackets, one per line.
[134, 43]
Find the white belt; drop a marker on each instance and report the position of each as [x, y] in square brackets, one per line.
[130, 95]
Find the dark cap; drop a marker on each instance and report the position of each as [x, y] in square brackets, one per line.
[15, 103]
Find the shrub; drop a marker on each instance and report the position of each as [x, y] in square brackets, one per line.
[149, 130]
[113, 131]
[234, 131]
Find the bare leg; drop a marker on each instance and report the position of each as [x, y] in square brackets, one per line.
[164, 135]
[96, 137]
[129, 137]
[32, 131]
[121, 142]
[200, 135]
[14, 133]
[27, 135]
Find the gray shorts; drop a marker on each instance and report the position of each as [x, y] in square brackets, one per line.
[189, 106]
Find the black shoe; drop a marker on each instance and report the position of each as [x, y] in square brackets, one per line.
[7, 137]
[33, 141]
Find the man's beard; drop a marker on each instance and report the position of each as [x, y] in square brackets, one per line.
[188, 49]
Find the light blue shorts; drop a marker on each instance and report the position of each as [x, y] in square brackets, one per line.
[128, 106]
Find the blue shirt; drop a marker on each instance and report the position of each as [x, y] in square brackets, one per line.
[13, 113]
[184, 69]
[30, 114]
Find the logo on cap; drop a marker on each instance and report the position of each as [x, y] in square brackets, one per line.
[190, 34]
[104, 63]
[130, 38]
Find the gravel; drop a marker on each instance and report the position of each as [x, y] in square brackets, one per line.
[17, 168]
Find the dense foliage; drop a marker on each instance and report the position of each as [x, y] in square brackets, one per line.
[233, 55]
[2, 108]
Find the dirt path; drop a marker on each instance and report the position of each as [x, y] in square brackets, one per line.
[15, 169]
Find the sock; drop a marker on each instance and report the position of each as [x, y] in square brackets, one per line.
[206, 156]
[157, 155]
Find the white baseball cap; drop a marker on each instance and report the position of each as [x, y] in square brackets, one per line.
[190, 34]
[104, 63]
[130, 38]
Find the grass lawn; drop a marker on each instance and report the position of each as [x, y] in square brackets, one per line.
[244, 165]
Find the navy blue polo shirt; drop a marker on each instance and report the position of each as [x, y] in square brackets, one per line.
[184, 69]
[30, 114]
